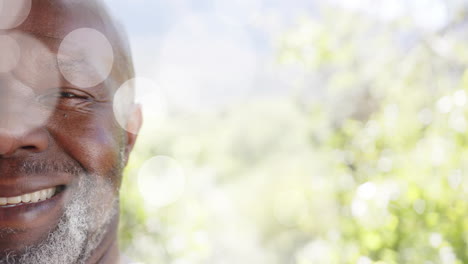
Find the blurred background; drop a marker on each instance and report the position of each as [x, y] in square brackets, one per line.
[298, 132]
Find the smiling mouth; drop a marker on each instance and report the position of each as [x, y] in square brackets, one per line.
[31, 198]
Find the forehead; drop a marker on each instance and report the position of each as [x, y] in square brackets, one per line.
[51, 22]
[56, 18]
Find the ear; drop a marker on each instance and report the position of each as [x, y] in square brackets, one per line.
[134, 122]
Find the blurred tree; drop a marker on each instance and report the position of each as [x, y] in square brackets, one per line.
[366, 163]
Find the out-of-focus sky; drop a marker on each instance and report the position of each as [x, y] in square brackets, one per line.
[207, 54]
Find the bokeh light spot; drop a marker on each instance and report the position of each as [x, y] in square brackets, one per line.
[455, 179]
[85, 57]
[9, 52]
[19, 113]
[419, 206]
[367, 190]
[459, 98]
[24, 104]
[161, 181]
[13, 12]
[364, 260]
[147, 94]
[444, 104]
[425, 116]
[435, 239]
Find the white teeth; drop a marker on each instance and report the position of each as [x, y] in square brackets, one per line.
[14, 200]
[26, 198]
[35, 197]
[43, 195]
[29, 197]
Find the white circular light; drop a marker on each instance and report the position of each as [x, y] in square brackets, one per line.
[18, 112]
[34, 76]
[37, 63]
[13, 12]
[161, 181]
[9, 52]
[147, 94]
[85, 57]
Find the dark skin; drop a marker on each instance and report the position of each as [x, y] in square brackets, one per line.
[78, 127]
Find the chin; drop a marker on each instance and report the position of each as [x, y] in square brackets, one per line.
[63, 228]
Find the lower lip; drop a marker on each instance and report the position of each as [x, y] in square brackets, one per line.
[14, 214]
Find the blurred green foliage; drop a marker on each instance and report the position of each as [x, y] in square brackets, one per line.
[365, 163]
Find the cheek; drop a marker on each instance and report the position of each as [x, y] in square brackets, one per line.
[90, 139]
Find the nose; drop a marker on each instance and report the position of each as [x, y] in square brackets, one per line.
[21, 121]
[26, 142]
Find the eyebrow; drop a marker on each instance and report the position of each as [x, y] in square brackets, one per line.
[67, 63]
[42, 32]
[74, 59]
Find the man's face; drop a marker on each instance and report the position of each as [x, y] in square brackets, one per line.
[57, 137]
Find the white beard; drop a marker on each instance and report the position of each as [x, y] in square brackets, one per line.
[80, 229]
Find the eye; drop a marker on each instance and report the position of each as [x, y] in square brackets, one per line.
[72, 94]
[69, 95]
[66, 98]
